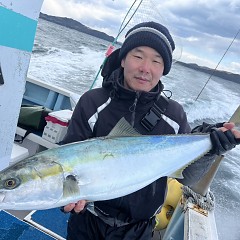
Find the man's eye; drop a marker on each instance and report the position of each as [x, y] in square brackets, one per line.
[158, 62]
[137, 56]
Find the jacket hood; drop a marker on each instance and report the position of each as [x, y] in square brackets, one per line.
[112, 63]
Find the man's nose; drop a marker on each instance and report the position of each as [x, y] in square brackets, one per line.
[145, 66]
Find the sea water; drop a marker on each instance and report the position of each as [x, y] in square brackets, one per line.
[71, 60]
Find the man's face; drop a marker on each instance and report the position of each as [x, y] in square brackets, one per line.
[143, 68]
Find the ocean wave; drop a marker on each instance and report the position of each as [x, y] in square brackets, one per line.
[39, 49]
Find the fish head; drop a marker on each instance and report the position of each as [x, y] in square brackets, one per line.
[31, 184]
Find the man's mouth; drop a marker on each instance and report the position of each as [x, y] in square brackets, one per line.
[141, 79]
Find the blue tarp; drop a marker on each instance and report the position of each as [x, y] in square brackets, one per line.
[52, 219]
[11, 228]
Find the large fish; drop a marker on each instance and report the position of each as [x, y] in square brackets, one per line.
[97, 169]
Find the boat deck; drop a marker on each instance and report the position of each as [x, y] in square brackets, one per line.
[55, 226]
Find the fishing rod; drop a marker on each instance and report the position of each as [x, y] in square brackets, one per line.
[203, 185]
[111, 47]
[214, 70]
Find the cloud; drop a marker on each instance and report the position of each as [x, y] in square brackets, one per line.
[205, 28]
[95, 14]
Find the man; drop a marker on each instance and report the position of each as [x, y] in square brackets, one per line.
[132, 89]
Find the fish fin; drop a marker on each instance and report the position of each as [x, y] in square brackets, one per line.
[177, 174]
[70, 186]
[123, 129]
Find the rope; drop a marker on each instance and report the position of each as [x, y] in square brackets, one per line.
[206, 203]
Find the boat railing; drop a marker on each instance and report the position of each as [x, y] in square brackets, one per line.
[47, 95]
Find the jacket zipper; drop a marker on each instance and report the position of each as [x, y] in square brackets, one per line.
[132, 108]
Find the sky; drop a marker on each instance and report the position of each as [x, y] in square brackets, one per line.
[203, 30]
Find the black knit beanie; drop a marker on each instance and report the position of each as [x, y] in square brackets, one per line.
[150, 34]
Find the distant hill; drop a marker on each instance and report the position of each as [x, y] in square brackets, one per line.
[221, 74]
[73, 24]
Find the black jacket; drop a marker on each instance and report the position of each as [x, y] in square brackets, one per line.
[98, 111]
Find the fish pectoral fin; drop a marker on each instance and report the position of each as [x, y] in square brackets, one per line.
[70, 186]
[123, 129]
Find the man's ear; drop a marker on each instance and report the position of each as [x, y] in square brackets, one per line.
[123, 63]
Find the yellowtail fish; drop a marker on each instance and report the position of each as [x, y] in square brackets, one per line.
[98, 169]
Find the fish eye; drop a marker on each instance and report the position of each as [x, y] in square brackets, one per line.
[11, 183]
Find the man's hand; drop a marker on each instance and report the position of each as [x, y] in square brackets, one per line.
[224, 138]
[75, 207]
[230, 126]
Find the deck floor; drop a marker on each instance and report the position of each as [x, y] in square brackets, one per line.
[22, 214]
